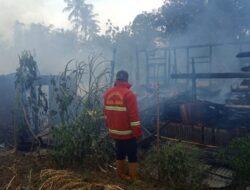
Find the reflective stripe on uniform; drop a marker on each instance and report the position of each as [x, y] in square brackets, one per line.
[118, 132]
[115, 108]
[135, 123]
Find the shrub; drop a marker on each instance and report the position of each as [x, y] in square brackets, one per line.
[237, 156]
[80, 137]
[81, 143]
[177, 165]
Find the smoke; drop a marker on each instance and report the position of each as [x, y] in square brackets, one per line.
[218, 22]
[13, 10]
[29, 11]
[51, 47]
[215, 22]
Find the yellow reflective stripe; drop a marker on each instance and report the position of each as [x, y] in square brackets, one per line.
[135, 123]
[118, 132]
[115, 108]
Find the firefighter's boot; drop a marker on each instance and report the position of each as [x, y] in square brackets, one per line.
[133, 171]
[120, 164]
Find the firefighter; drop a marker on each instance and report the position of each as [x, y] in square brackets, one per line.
[123, 123]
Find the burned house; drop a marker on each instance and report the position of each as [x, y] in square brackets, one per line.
[203, 92]
[7, 101]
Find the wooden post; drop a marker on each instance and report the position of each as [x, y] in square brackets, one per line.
[187, 64]
[158, 115]
[166, 76]
[175, 64]
[147, 68]
[169, 65]
[193, 81]
[137, 71]
[112, 67]
[202, 133]
[213, 136]
[210, 63]
[14, 130]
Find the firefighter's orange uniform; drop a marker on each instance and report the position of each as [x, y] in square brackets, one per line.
[121, 112]
[123, 122]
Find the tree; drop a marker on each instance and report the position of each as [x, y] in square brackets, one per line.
[144, 24]
[31, 101]
[175, 15]
[229, 19]
[197, 21]
[82, 18]
[49, 45]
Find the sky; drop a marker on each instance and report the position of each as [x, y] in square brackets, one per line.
[50, 12]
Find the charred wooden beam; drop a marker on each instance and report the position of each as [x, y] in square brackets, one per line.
[238, 106]
[243, 54]
[211, 75]
[245, 82]
[241, 90]
[246, 69]
[194, 90]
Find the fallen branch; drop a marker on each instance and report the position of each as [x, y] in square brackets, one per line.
[30, 128]
[9, 185]
[101, 169]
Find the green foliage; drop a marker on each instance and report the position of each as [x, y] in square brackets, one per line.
[80, 137]
[237, 156]
[177, 165]
[31, 101]
[174, 17]
[79, 88]
[81, 143]
[64, 95]
[26, 74]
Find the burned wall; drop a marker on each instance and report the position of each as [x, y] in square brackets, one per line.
[7, 94]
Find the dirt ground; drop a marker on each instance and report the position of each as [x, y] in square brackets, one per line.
[21, 171]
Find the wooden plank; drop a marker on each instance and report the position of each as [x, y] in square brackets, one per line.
[238, 106]
[210, 75]
[241, 90]
[187, 142]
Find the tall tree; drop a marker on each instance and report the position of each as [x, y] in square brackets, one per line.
[82, 18]
[144, 23]
[194, 22]
[175, 15]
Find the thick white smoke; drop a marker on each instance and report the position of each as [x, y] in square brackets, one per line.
[28, 11]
